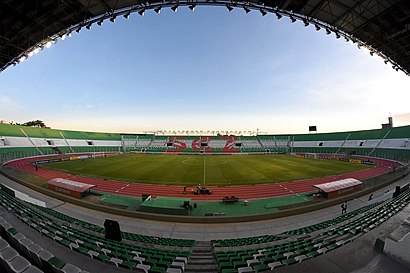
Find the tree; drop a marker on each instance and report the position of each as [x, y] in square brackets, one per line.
[34, 123]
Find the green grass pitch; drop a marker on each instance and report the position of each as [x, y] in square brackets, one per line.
[218, 170]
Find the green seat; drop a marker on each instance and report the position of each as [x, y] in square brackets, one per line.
[238, 264]
[56, 262]
[289, 261]
[225, 265]
[156, 269]
[266, 260]
[312, 254]
[229, 270]
[260, 268]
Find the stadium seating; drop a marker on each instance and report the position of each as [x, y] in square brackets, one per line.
[392, 143]
[122, 254]
[289, 247]
[20, 254]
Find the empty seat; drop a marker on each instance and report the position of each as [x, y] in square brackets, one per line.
[3, 244]
[18, 264]
[69, 268]
[23, 246]
[34, 249]
[173, 270]
[32, 269]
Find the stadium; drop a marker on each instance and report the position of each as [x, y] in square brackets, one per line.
[204, 200]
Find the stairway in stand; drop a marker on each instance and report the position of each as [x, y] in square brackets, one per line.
[201, 258]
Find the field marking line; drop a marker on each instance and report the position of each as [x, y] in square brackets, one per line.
[298, 195]
[122, 188]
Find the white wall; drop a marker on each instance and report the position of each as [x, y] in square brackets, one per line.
[397, 245]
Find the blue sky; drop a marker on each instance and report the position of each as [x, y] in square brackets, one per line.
[204, 70]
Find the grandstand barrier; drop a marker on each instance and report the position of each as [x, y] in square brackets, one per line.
[397, 244]
[376, 182]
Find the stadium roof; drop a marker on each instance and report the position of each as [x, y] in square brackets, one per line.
[382, 26]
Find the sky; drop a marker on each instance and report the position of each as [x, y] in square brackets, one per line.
[204, 70]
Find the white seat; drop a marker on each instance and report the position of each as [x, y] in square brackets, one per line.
[247, 269]
[322, 250]
[3, 244]
[138, 259]
[274, 265]
[43, 255]
[253, 262]
[115, 261]
[93, 253]
[73, 246]
[173, 270]
[24, 244]
[179, 265]
[181, 259]
[18, 264]
[32, 269]
[69, 268]
[289, 255]
[142, 268]
[300, 258]
[6, 255]
[34, 249]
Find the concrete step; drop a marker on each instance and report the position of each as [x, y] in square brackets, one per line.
[201, 257]
[201, 261]
[202, 243]
[201, 268]
[201, 250]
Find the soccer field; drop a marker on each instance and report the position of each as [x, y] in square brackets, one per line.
[221, 170]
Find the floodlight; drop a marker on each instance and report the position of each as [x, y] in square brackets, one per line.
[337, 35]
[175, 8]
[371, 53]
[192, 7]
[317, 27]
[292, 19]
[141, 12]
[263, 13]
[31, 53]
[37, 50]
[63, 37]
[48, 44]
[347, 39]
[69, 34]
[328, 31]
[158, 10]
[278, 15]
[229, 8]
[22, 58]
[112, 19]
[386, 61]
[55, 40]
[100, 23]
[127, 15]
[88, 26]
[246, 9]
[306, 22]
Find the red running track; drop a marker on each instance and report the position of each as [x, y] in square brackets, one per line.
[243, 192]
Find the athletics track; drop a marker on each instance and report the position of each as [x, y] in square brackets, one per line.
[243, 192]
